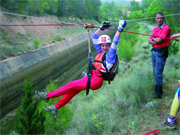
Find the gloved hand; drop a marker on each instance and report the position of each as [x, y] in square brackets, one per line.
[105, 24]
[122, 24]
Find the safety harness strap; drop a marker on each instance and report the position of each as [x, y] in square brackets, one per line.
[89, 74]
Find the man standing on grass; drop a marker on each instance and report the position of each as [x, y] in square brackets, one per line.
[160, 40]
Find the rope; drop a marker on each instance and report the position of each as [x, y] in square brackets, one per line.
[59, 21]
[154, 131]
[89, 45]
[74, 25]
[134, 33]
[71, 24]
[152, 17]
[157, 131]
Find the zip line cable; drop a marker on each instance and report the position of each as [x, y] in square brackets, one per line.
[15, 14]
[71, 24]
[178, 14]
[27, 25]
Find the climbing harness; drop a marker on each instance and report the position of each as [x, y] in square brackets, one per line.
[109, 75]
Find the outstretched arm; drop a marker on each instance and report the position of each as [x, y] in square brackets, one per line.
[98, 31]
[175, 35]
[111, 55]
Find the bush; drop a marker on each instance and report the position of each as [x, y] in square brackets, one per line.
[126, 49]
[174, 47]
[36, 43]
[58, 38]
[30, 119]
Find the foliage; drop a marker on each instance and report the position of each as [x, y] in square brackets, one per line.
[103, 111]
[154, 7]
[120, 108]
[31, 7]
[109, 11]
[58, 38]
[173, 48]
[167, 7]
[36, 43]
[134, 6]
[136, 14]
[145, 4]
[79, 8]
[30, 119]
[126, 49]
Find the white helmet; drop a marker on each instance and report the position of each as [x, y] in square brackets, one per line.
[104, 39]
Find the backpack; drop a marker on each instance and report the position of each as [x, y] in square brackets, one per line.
[110, 75]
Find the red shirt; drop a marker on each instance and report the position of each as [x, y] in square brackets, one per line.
[162, 32]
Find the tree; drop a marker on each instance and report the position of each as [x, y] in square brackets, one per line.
[30, 119]
[145, 4]
[110, 11]
[136, 14]
[154, 7]
[62, 8]
[134, 6]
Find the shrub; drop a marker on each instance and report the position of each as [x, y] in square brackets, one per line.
[30, 119]
[126, 49]
[58, 38]
[174, 47]
[36, 43]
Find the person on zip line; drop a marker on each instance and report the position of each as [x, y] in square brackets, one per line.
[160, 40]
[171, 121]
[104, 61]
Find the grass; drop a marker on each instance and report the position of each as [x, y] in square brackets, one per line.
[122, 107]
[125, 107]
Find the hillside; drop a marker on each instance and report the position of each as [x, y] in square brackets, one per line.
[17, 40]
[126, 106]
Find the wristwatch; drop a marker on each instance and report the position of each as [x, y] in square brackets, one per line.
[152, 39]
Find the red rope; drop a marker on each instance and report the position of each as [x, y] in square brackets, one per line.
[136, 33]
[73, 25]
[154, 131]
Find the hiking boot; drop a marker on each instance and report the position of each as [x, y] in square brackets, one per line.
[170, 125]
[42, 95]
[158, 92]
[51, 109]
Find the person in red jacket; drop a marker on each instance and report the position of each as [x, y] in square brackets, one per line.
[160, 40]
[103, 46]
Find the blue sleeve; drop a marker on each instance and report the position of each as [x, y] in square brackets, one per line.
[111, 54]
[95, 42]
